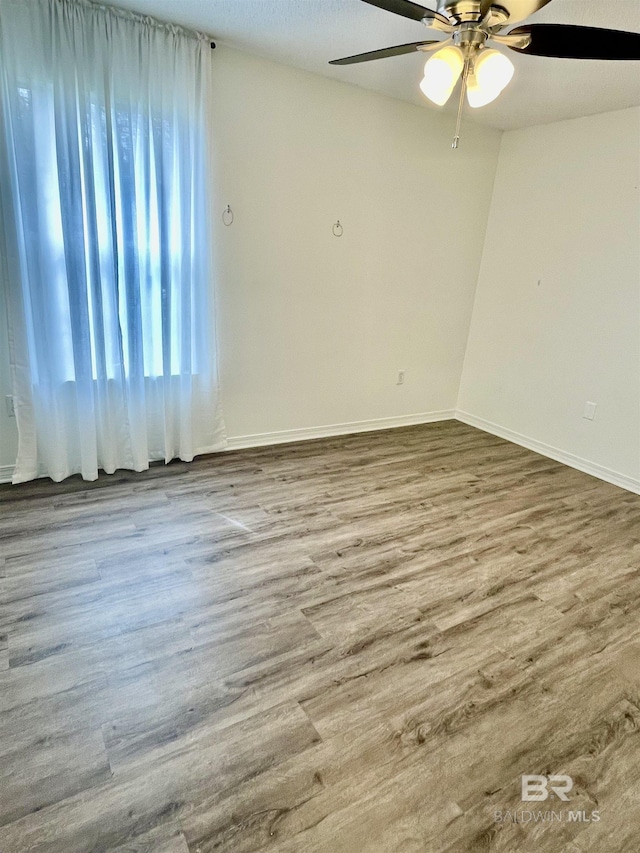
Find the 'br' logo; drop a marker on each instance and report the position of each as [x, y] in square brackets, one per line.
[536, 788]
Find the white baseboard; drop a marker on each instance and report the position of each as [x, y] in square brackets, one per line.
[307, 433]
[570, 459]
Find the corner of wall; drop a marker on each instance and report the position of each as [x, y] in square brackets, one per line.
[480, 265]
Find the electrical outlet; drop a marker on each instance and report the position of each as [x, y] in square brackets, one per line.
[589, 411]
[11, 411]
[400, 377]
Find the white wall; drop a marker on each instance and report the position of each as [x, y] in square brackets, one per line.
[313, 328]
[565, 213]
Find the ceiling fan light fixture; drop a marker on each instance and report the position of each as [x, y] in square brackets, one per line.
[492, 73]
[441, 73]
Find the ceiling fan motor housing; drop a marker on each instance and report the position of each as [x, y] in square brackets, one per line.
[473, 11]
[461, 11]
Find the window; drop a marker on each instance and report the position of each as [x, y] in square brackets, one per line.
[120, 288]
[104, 230]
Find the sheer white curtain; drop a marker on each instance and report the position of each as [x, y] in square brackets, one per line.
[105, 232]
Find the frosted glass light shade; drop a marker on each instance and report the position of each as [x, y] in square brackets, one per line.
[492, 73]
[441, 74]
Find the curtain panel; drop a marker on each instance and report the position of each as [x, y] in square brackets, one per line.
[105, 225]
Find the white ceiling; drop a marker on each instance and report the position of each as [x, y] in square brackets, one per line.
[308, 33]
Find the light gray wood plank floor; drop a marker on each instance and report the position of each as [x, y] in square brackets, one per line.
[352, 645]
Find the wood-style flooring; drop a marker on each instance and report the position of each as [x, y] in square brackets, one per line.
[353, 645]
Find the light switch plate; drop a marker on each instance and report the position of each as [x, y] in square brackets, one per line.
[590, 411]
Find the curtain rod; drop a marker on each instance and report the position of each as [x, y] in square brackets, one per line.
[143, 19]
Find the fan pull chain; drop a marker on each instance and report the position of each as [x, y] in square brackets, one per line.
[463, 92]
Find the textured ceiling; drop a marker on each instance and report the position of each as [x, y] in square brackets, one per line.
[308, 33]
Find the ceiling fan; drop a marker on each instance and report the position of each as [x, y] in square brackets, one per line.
[469, 24]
